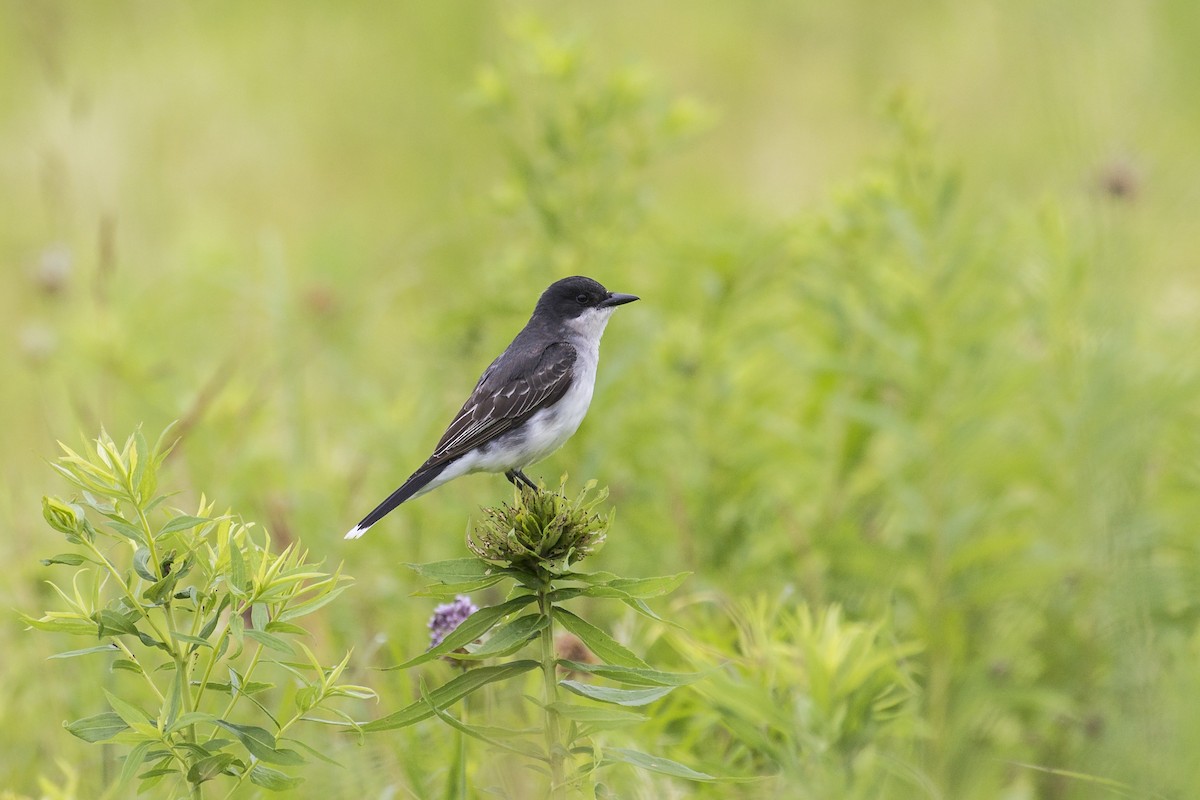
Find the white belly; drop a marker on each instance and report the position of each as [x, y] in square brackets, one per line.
[549, 429]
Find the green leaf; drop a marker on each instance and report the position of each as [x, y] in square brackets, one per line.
[309, 606]
[143, 463]
[185, 637]
[150, 641]
[215, 617]
[142, 565]
[191, 718]
[471, 629]
[307, 697]
[604, 646]
[125, 664]
[597, 715]
[131, 714]
[70, 559]
[237, 635]
[627, 589]
[181, 524]
[270, 641]
[639, 588]
[113, 622]
[312, 751]
[127, 530]
[134, 760]
[352, 690]
[566, 593]
[97, 728]
[80, 626]
[455, 570]
[449, 693]
[238, 578]
[100, 648]
[640, 607]
[663, 766]
[155, 774]
[261, 743]
[173, 702]
[235, 679]
[210, 767]
[511, 636]
[275, 626]
[159, 592]
[161, 448]
[251, 687]
[590, 577]
[63, 517]
[259, 617]
[273, 779]
[634, 675]
[197, 751]
[452, 589]
[620, 697]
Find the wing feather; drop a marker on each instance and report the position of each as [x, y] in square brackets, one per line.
[501, 403]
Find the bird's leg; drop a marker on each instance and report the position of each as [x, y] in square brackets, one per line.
[518, 478]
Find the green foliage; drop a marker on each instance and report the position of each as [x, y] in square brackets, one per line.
[534, 542]
[934, 370]
[197, 611]
[821, 706]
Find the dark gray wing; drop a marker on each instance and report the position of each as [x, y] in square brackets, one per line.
[502, 401]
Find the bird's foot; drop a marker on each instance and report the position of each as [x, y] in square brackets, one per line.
[518, 478]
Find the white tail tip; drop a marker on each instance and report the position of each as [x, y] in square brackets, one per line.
[356, 532]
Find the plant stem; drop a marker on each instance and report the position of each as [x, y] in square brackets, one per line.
[462, 753]
[554, 747]
[213, 657]
[134, 602]
[156, 565]
[234, 696]
[149, 681]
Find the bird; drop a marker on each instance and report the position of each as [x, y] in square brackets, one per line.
[528, 402]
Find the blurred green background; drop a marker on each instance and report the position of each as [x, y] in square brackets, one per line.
[917, 350]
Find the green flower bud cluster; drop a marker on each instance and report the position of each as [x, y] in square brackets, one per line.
[542, 530]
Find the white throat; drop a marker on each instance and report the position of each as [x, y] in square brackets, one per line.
[589, 326]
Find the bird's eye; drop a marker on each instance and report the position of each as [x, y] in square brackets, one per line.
[583, 299]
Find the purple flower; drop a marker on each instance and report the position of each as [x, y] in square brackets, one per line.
[449, 616]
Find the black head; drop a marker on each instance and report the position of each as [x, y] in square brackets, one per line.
[572, 297]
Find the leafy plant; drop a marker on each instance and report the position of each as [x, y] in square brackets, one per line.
[535, 544]
[805, 695]
[200, 614]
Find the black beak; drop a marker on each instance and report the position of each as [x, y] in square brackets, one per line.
[617, 299]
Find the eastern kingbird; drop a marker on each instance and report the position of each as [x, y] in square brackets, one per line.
[528, 402]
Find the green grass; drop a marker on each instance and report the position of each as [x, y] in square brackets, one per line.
[913, 376]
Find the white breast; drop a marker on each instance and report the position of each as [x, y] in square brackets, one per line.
[549, 429]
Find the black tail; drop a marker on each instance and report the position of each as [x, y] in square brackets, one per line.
[415, 483]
